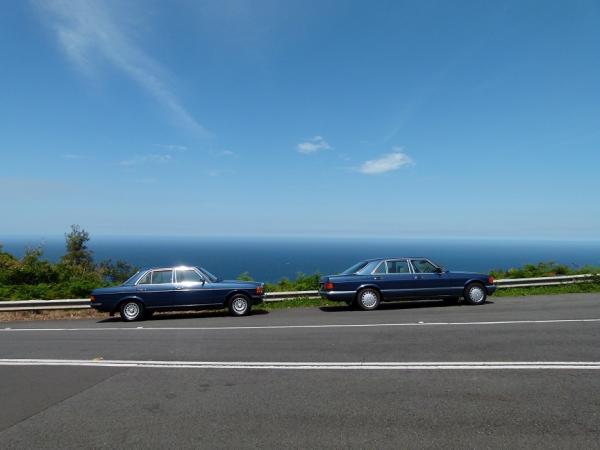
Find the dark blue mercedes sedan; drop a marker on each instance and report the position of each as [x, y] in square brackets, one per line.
[368, 283]
[176, 288]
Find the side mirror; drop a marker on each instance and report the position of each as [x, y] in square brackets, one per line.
[439, 270]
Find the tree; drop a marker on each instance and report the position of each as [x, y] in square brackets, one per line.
[116, 272]
[77, 253]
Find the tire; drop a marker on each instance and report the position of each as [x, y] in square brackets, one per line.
[475, 294]
[451, 300]
[239, 305]
[368, 299]
[131, 310]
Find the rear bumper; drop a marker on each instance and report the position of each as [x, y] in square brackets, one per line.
[491, 288]
[257, 299]
[338, 296]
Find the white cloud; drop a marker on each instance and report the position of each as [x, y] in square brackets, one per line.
[172, 147]
[386, 163]
[89, 34]
[313, 145]
[147, 159]
[71, 156]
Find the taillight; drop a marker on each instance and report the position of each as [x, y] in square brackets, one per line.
[329, 286]
[490, 280]
[92, 298]
[259, 290]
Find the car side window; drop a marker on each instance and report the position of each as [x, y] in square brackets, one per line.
[188, 276]
[146, 279]
[380, 268]
[399, 266]
[162, 276]
[422, 266]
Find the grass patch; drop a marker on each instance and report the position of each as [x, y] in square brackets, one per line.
[575, 288]
[297, 303]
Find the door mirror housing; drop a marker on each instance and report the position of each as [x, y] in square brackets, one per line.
[439, 270]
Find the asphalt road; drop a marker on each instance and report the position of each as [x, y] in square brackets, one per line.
[516, 372]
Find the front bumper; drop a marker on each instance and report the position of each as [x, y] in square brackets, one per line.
[101, 307]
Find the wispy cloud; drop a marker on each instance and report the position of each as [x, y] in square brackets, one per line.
[386, 163]
[71, 156]
[313, 145]
[147, 159]
[89, 33]
[172, 147]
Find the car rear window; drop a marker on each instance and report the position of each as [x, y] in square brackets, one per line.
[162, 276]
[398, 266]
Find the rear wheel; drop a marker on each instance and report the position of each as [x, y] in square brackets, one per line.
[132, 310]
[368, 299]
[475, 294]
[239, 305]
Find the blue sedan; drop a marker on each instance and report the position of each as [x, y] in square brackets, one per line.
[368, 283]
[176, 288]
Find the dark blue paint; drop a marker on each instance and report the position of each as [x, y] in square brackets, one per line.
[174, 296]
[440, 284]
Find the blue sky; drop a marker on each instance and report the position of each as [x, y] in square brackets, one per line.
[423, 118]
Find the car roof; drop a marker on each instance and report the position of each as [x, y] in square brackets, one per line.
[145, 269]
[396, 257]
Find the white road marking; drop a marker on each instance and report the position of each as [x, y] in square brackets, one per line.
[485, 365]
[283, 327]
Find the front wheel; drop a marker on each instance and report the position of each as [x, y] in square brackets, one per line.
[131, 311]
[475, 294]
[368, 299]
[239, 305]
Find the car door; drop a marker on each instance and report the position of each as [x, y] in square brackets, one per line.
[157, 289]
[193, 288]
[430, 280]
[394, 279]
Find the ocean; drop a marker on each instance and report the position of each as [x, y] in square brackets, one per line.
[270, 259]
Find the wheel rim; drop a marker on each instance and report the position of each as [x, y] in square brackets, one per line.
[368, 299]
[476, 294]
[240, 305]
[131, 310]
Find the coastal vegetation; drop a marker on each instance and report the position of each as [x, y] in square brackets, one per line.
[76, 274]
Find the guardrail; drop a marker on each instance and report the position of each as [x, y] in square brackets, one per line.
[84, 303]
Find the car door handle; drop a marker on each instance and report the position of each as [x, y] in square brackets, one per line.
[418, 277]
[377, 278]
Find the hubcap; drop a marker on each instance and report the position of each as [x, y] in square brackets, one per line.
[368, 299]
[131, 310]
[476, 294]
[240, 305]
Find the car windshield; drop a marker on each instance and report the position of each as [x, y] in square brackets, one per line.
[212, 278]
[355, 268]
